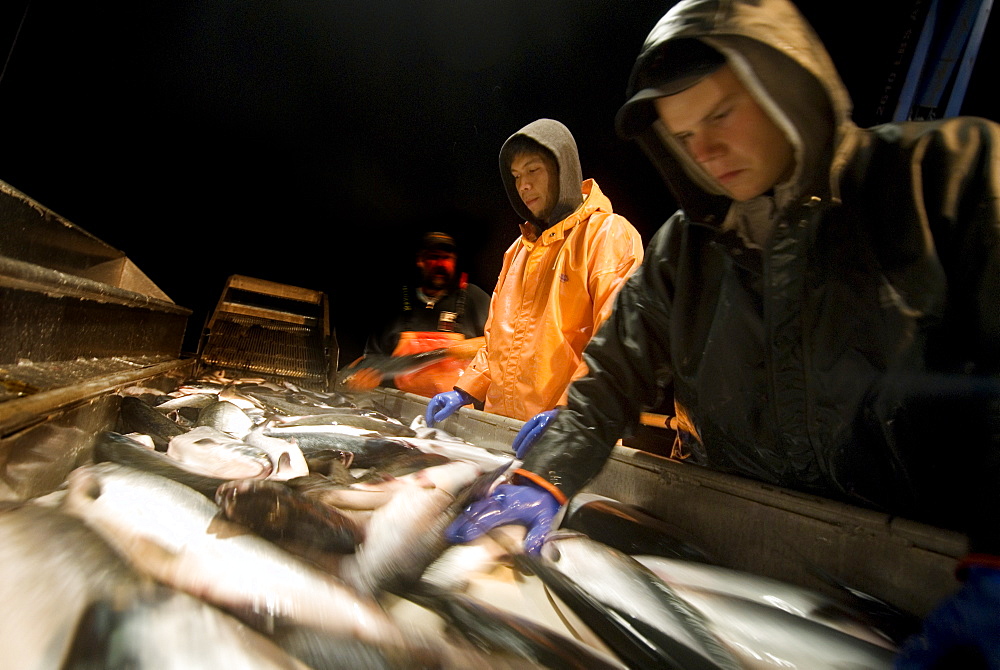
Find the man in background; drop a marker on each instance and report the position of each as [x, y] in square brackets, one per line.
[441, 310]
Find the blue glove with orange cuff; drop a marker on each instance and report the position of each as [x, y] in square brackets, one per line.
[445, 404]
[964, 630]
[527, 504]
[531, 431]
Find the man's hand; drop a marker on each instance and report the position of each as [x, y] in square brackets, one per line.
[527, 504]
[444, 405]
[531, 431]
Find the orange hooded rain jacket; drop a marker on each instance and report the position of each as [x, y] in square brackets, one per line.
[552, 295]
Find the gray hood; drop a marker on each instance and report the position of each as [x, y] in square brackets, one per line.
[782, 63]
[555, 137]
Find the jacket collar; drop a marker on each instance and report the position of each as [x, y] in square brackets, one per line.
[594, 201]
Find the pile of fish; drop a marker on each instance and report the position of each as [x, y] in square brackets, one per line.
[243, 523]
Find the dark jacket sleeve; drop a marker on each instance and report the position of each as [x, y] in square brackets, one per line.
[628, 359]
[477, 309]
[968, 193]
[954, 432]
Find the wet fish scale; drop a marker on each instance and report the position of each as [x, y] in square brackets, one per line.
[225, 417]
[367, 451]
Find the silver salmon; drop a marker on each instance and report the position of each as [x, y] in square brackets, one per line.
[124, 450]
[406, 534]
[660, 629]
[52, 566]
[225, 417]
[217, 454]
[763, 637]
[687, 576]
[173, 534]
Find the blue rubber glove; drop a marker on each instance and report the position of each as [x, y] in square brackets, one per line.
[444, 405]
[964, 622]
[526, 504]
[531, 431]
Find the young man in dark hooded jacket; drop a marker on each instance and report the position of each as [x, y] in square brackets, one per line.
[825, 305]
[556, 285]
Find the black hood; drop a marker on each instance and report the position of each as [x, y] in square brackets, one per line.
[779, 59]
[555, 137]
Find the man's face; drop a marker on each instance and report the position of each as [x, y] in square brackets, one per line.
[536, 177]
[438, 268]
[725, 131]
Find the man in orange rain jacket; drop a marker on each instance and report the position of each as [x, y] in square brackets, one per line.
[443, 311]
[557, 283]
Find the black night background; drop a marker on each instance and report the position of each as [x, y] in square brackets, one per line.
[311, 142]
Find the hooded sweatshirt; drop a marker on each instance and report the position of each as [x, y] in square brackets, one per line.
[555, 137]
[555, 288]
[838, 335]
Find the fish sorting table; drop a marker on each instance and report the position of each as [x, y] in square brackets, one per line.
[751, 526]
[83, 330]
